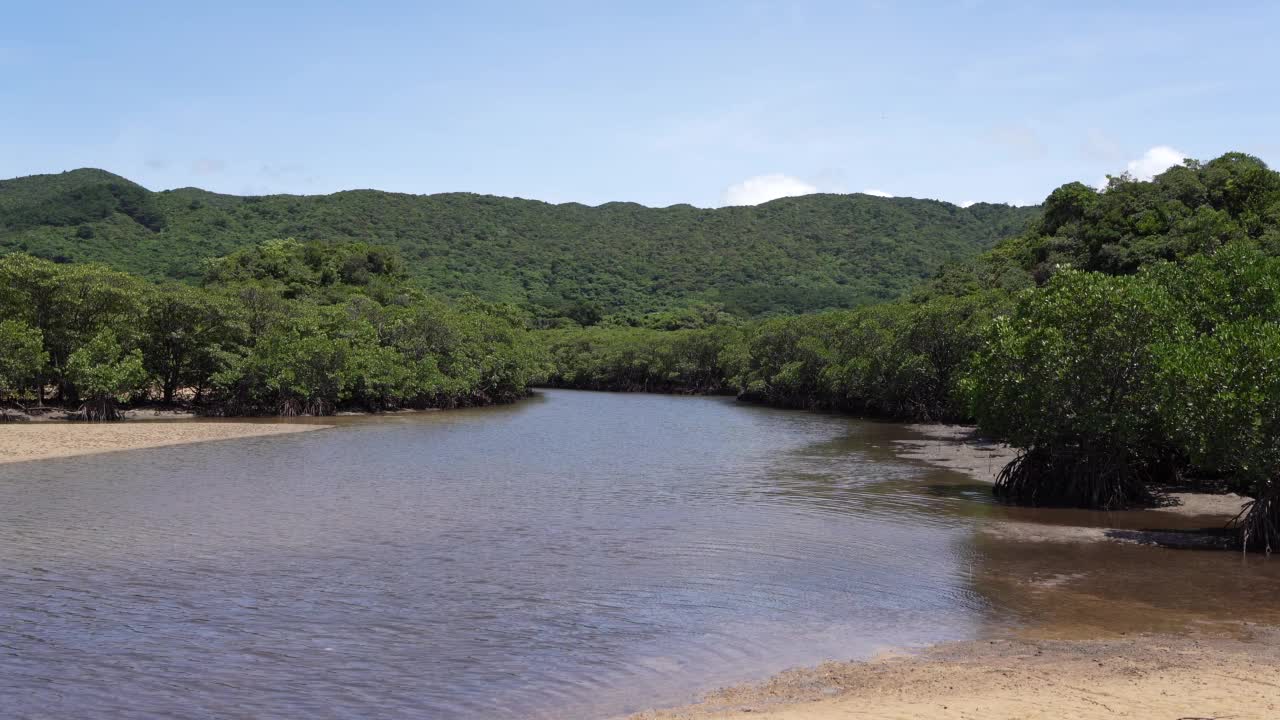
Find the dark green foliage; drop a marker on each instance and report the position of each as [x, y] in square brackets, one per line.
[898, 360]
[319, 271]
[1070, 377]
[1101, 377]
[69, 305]
[1223, 408]
[104, 373]
[22, 355]
[189, 335]
[639, 359]
[789, 255]
[1182, 212]
[77, 199]
[287, 328]
[1221, 389]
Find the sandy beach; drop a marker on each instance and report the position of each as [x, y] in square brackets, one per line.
[40, 441]
[1148, 677]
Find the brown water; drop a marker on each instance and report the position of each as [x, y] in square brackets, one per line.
[575, 555]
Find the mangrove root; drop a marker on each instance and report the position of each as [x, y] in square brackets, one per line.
[1076, 478]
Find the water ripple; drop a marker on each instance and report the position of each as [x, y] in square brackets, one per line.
[573, 558]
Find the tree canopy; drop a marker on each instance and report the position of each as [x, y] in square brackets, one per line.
[569, 260]
[284, 328]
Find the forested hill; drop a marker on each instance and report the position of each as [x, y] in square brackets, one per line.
[789, 255]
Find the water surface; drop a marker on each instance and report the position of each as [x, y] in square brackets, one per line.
[574, 555]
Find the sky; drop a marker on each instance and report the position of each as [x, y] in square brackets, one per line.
[658, 102]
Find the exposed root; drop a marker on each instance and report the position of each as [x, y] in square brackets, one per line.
[1259, 521]
[99, 410]
[293, 407]
[1075, 478]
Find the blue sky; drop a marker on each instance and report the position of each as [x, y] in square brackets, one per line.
[655, 102]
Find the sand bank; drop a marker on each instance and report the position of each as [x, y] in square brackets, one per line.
[38, 441]
[1134, 677]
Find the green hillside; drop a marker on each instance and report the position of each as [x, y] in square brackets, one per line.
[789, 255]
[1127, 343]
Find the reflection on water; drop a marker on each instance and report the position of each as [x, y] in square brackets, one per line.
[578, 555]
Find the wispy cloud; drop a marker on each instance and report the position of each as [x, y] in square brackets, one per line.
[877, 193]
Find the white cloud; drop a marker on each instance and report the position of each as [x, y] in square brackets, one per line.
[764, 188]
[877, 193]
[1152, 163]
[967, 203]
[1155, 161]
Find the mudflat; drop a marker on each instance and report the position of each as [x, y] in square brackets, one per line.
[41, 441]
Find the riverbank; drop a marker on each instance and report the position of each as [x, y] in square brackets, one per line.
[1185, 520]
[42, 441]
[1094, 657]
[1134, 677]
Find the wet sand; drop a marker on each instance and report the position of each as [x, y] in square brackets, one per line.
[1094, 651]
[957, 447]
[41, 441]
[1173, 678]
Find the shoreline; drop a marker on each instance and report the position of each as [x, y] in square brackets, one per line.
[1188, 521]
[25, 442]
[1048, 670]
[1143, 676]
[61, 415]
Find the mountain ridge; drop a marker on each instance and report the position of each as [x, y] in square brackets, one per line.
[794, 254]
[185, 188]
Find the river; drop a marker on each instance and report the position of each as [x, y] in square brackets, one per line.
[575, 555]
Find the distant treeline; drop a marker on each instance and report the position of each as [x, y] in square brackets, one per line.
[278, 328]
[558, 262]
[1128, 340]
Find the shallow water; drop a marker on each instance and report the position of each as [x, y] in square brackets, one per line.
[574, 555]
